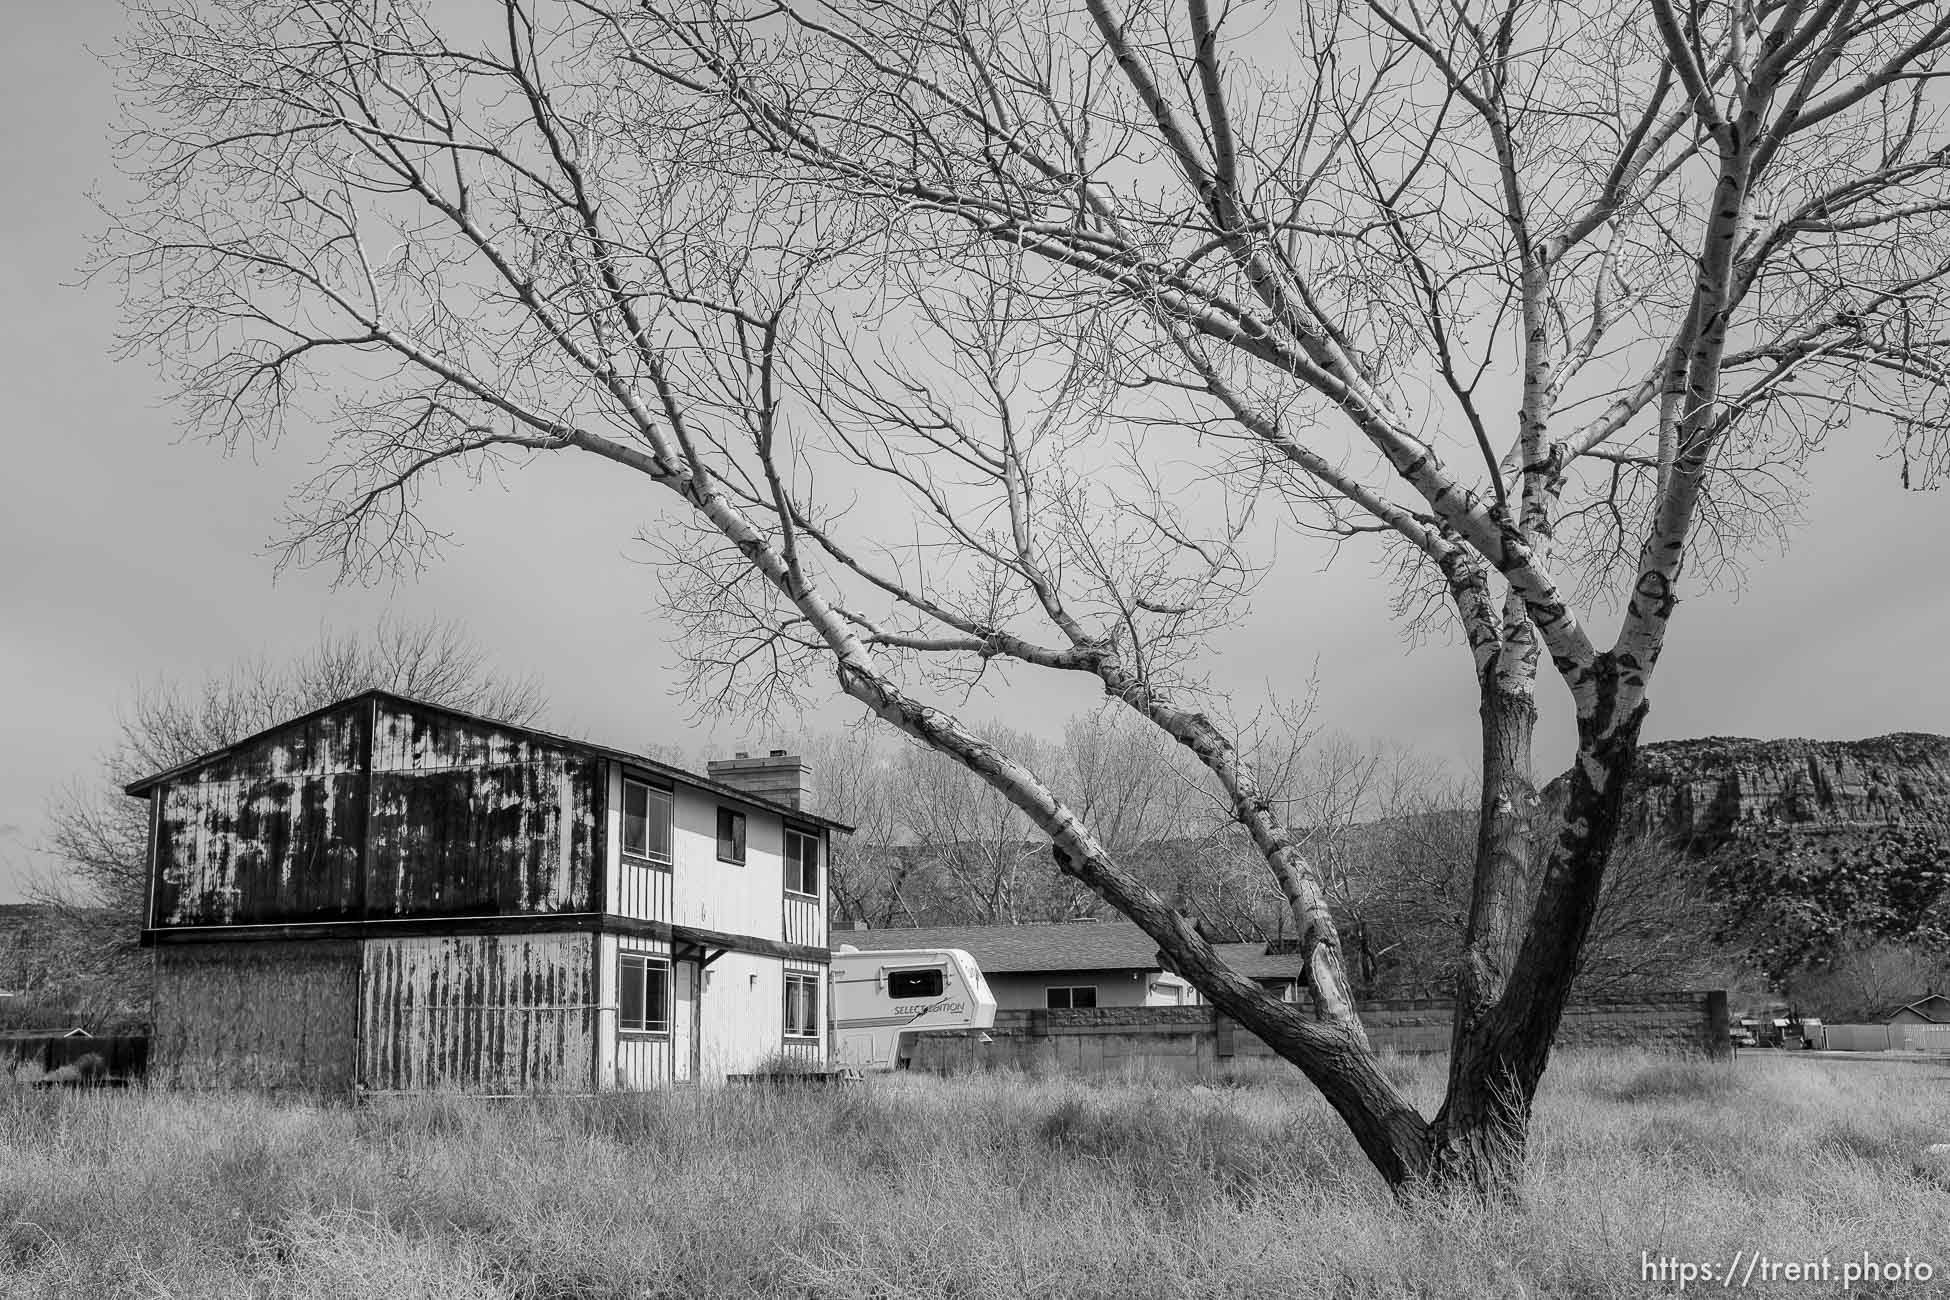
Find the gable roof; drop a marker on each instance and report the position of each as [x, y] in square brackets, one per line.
[1064, 946]
[642, 762]
[1934, 1007]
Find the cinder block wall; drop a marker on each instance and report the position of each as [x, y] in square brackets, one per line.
[1194, 1042]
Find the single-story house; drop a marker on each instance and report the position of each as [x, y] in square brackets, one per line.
[1080, 964]
[1930, 1009]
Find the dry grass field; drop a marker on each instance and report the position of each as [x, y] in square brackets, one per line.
[986, 1187]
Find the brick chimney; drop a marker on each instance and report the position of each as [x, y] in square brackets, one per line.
[779, 776]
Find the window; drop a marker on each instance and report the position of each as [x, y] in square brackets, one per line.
[801, 1006]
[1079, 997]
[801, 862]
[903, 985]
[646, 821]
[644, 985]
[731, 835]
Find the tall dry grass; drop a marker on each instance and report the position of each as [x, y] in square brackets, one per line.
[990, 1186]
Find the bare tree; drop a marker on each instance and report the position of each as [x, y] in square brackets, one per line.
[1128, 780]
[982, 849]
[1074, 297]
[855, 775]
[1869, 980]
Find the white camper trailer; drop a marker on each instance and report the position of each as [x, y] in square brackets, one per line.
[878, 996]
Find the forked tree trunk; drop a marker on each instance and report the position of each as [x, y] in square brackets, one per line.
[1478, 1137]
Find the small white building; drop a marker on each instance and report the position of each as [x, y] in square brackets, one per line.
[1076, 965]
[387, 895]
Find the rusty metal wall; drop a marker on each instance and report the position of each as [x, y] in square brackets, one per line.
[256, 1015]
[468, 819]
[272, 832]
[486, 1013]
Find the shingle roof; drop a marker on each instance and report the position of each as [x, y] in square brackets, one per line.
[1255, 962]
[1934, 1007]
[1062, 946]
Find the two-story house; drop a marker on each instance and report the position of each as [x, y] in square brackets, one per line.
[389, 895]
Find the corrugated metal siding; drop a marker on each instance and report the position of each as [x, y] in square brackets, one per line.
[509, 1013]
[272, 832]
[256, 1015]
[468, 820]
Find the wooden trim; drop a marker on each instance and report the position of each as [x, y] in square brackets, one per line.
[366, 865]
[716, 939]
[156, 797]
[401, 927]
[643, 776]
[535, 923]
[598, 1043]
[599, 837]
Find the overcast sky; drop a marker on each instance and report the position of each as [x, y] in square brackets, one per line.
[131, 556]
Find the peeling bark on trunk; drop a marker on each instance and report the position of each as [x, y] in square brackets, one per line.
[1499, 1057]
[1506, 821]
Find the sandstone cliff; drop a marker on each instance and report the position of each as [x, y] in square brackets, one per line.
[1702, 793]
[1808, 850]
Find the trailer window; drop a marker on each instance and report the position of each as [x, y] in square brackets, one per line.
[904, 985]
[1077, 997]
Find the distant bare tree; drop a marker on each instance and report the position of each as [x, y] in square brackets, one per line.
[857, 775]
[1073, 298]
[1869, 980]
[983, 850]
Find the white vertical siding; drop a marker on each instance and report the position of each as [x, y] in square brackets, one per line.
[805, 920]
[643, 891]
[639, 1061]
[730, 897]
[635, 888]
[743, 1013]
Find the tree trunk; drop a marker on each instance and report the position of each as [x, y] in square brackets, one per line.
[1333, 1056]
[1478, 1137]
[1506, 825]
